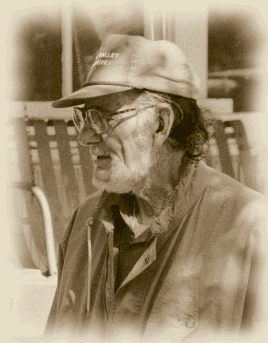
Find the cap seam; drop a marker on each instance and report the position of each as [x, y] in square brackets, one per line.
[134, 60]
[126, 84]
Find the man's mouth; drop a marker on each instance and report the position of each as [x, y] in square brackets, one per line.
[102, 160]
[103, 157]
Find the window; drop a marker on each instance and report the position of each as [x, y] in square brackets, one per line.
[237, 42]
[34, 55]
[35, 47]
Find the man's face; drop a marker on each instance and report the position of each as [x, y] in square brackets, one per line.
[124, 157]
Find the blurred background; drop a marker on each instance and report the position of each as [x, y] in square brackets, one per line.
[234, 43]
[50, 49]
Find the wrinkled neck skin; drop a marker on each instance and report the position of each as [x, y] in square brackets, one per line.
[159, 185]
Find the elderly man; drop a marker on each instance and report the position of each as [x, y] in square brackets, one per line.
[168, 248]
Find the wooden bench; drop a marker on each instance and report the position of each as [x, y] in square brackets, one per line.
[48, 153]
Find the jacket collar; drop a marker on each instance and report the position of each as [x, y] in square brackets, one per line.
[191, 186]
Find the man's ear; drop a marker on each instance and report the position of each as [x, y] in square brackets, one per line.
[165, 122]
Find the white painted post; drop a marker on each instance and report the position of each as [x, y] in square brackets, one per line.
[67, 49]
[148, 24]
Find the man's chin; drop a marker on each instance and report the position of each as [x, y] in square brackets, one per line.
[115, 186]
[100, 179]
[102, 174]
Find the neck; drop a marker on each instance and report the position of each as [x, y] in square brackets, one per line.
[159, 186]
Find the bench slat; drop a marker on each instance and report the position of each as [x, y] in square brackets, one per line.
[248, 162]
[225, 158]
[67, 168]
[26, 207]
[49, 180]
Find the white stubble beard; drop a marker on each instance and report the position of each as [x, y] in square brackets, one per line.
[123, 179]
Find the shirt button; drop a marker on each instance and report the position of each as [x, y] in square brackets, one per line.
[146, 260]
[90, 221]
[190, 323]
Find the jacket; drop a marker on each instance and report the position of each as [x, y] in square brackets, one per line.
[202, 274]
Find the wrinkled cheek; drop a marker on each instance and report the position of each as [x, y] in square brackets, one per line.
[135, 159]
[128, 153]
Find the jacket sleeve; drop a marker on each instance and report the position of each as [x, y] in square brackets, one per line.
[52, 318]
[255, 307]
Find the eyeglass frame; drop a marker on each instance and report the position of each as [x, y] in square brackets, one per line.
[104, 117]
[107, 131]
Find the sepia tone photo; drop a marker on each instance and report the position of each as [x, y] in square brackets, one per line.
[136, 172]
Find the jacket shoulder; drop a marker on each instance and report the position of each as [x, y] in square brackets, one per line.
[232, 188]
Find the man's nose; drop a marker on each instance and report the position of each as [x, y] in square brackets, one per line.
[88, 136]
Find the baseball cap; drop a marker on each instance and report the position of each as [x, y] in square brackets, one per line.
[127, 62]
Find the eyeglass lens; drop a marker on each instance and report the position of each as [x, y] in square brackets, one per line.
[93, 117]
[96, 121]
[78, 119]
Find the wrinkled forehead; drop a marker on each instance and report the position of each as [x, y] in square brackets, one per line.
[113, 102]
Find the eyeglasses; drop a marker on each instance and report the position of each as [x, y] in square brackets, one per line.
[101, 123]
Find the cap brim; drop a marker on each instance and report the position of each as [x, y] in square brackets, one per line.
[88, 92]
